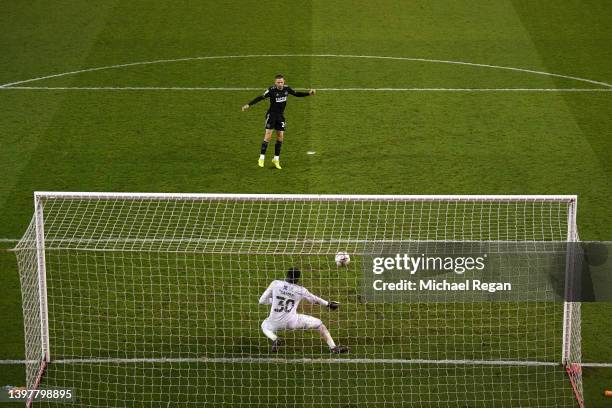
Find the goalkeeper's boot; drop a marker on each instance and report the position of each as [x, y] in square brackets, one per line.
[276, 163]
[340, 350]
[276, 345]
[260, 162]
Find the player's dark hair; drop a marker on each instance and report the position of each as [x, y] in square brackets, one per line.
[279, 76]
[293, 275]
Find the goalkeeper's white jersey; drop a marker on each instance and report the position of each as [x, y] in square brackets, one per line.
[285, 298]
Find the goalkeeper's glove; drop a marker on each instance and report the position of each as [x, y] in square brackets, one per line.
[333, 305]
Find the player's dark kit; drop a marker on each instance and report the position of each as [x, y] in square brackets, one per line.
[275, 118]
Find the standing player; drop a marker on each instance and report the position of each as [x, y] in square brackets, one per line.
[275, 120]
[285, 296]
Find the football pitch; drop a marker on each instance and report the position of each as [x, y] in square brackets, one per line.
[505, 97]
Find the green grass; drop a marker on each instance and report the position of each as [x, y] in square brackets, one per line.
[190, 305]
[384, 143]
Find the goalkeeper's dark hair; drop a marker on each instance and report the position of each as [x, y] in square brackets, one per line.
[293, 275]
[279, 76]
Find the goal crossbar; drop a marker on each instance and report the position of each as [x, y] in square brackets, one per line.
[325, 197]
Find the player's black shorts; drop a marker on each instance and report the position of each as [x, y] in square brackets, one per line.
[276, 122]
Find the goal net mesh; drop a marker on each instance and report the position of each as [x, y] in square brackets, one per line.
[153, 301]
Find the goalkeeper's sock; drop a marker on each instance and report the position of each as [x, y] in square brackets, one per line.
[264, 147]
[277, 149]
[326, 336]
[270, 334]
[276, 345]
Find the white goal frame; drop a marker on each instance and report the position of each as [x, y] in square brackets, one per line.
[570, 308]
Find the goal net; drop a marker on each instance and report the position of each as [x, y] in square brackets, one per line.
[147, 300]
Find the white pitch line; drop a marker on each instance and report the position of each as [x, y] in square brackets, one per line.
[174, 88]
[17, 362]
[255, 360]
[9, 240]
[597, 365]
[131, 88]
[469, 89]
[350, 56]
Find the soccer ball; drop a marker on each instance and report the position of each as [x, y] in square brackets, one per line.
[342, 259]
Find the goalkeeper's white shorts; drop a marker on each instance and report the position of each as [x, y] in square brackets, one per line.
[298, 322]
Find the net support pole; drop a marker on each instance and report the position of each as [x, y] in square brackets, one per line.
[573, 369]
[42, 278]
[569, 265]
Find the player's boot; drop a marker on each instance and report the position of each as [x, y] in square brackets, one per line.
[276, 163]
[340, 350]
[276, 345]
[260, 162]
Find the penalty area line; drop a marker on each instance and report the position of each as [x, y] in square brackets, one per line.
[197, 88]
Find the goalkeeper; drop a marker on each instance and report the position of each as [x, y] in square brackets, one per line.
[285, 296]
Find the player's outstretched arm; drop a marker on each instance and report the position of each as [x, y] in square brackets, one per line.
[255, 100]
[266, 298]
[301, 94]
[317, 300]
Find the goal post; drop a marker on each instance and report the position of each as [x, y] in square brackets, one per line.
[151, 299]
[42, 277]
